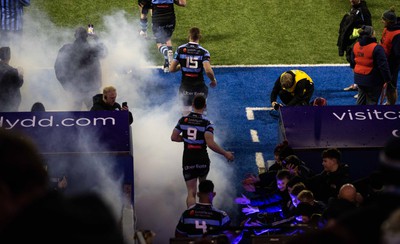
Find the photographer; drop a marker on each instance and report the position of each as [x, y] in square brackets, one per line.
[107, 101]
[78, 68]
[294, 87]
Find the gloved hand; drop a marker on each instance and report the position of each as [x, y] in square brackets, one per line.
[355, 34]
[276, 105]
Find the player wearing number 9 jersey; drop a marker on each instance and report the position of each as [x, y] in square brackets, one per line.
[197, 133]
[193, 60]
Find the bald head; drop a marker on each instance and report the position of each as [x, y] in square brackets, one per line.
[348, 192]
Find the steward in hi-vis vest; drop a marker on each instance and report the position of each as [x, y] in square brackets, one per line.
[363, 57]
[370, 66]
[294, 87]
[391, 43]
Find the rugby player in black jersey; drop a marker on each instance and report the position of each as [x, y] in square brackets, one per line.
[144, 9]
[163, 21]
[203, 220]
[192, 59]
[197, 133]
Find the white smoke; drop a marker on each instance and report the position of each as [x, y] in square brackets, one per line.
[160, 191]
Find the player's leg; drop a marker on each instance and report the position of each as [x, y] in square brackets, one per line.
[191, 186]
[186, 95]
[169, 31]
[201, 90]
[144, 8]
[166, 47]
[161, 42]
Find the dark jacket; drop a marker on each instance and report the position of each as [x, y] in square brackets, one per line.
[10, 83]
[78, 66]
[394, 56]
[380, 72]
[365, 223]
[100, 105]
[337, 207]
[327, 184]
[358, 16]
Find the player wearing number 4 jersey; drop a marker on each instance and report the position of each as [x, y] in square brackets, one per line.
[193, 60]
[196, 132]
[198, 219]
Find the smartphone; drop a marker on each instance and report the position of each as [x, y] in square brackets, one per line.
[125, 104]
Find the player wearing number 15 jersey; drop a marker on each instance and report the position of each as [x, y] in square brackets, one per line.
[197, 133]
[192, 59]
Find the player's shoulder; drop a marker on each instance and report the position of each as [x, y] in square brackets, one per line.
[202, 48]
[220, 212]
[182, 47]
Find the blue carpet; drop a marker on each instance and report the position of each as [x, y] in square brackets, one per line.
[239, 88]
[243, 87]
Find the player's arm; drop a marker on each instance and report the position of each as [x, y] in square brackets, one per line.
[274, 94]
[174, 66]
[209, 137]
[181, 3]
[176, 136]
[210, 74]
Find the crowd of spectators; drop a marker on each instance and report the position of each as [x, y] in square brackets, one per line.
[282, 201]
[289, 199]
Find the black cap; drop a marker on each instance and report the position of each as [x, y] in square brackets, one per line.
[389, 16]
[366, 30]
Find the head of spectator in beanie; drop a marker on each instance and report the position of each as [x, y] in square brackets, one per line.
[389, 16]
[367, 31]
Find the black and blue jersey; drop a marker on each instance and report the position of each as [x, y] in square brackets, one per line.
[193, 127]
[163, 11]
[191, 57]
[199, 219]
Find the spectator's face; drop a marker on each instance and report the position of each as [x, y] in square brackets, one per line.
[384, 22]
[111, 97]
[295, 200]
[329, 164]
[281, 184]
